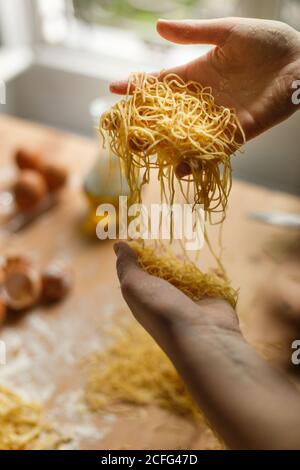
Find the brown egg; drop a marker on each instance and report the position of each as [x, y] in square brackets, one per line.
[55, 175]
[56, 284]
[29, 189]
[22, 284]
[3, 311]
[27, 160]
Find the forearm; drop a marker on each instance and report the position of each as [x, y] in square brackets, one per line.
[247, 402]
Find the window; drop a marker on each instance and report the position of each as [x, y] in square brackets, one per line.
[124, 28]
[142, 12]
[121, 30]
[60, 17]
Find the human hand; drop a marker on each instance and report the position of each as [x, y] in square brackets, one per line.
[161, 308]
[251, 69]
[243, 397]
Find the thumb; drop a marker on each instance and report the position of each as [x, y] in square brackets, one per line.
[127, 261]
[196, 31]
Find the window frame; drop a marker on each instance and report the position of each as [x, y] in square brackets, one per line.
[16, 29]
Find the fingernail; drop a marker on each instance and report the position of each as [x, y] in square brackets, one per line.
[117, 83]
[182, 170]
[165, 20]
[112, 86]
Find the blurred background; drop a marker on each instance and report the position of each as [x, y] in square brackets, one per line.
[58, 56]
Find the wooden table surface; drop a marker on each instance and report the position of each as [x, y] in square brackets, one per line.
[46, 346]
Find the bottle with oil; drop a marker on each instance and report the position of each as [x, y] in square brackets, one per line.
[104, 183]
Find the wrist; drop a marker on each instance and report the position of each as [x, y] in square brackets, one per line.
[212, 319]
[202, 323]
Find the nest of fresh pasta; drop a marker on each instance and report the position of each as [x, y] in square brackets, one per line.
[167, 122]
[184, 275]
